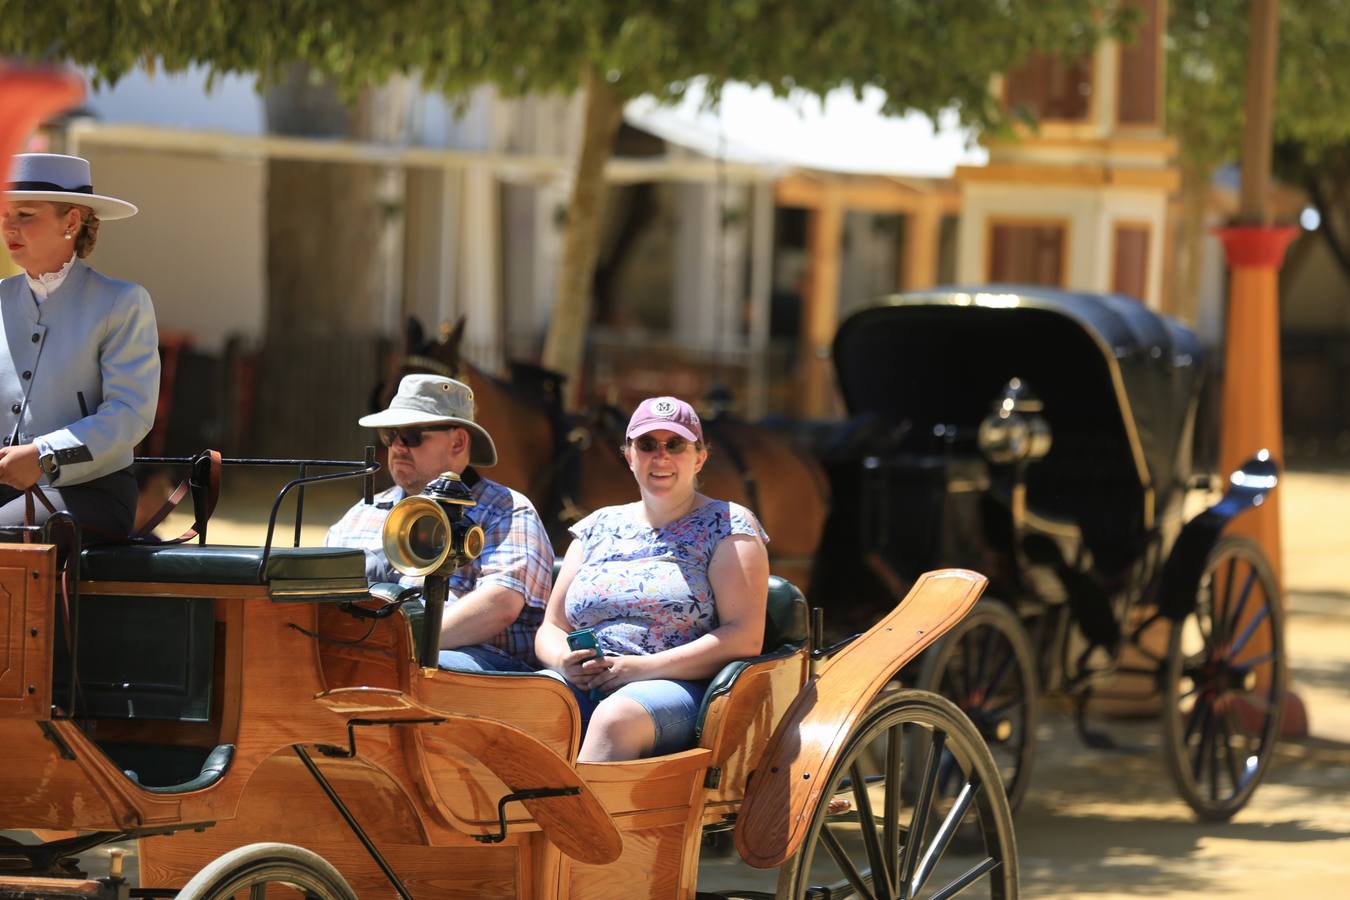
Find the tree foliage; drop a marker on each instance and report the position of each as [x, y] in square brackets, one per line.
[1206, 93]
[1207, 64]
[925, 55]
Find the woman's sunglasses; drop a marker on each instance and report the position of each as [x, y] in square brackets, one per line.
[411, 437]
[674, 446]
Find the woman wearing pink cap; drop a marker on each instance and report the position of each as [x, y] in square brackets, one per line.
[672, 588]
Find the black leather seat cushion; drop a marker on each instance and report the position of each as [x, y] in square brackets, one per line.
[215, 564]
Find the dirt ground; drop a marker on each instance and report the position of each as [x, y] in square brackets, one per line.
[1108, 824]
[1105, 824]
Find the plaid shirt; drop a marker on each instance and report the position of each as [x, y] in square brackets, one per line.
[516, 555]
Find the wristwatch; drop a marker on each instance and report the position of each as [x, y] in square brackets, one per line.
[48, 464]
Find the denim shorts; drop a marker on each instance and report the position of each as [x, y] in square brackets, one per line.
[672, 704]
[481, 658]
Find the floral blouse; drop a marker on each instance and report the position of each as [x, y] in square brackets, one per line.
[646, 589]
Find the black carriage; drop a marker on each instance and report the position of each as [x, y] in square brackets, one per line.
[1045, 438]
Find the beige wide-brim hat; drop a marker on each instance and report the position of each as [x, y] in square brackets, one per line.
[62, 179]
[434, 400]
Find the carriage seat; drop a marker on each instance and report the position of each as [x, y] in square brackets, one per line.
[169, 769]
[291, 573]
[785, 629]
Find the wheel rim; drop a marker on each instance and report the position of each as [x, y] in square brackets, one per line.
[866, 850]
[982, 672]
[1226, 683]
[247, 873]
[291, 881]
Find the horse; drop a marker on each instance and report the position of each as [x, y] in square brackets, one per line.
[571, 465]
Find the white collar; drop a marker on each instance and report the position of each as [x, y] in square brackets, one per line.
[47, 282]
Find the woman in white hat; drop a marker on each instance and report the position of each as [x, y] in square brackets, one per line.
[79, 354]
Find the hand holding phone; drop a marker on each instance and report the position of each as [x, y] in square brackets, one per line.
[584, 639]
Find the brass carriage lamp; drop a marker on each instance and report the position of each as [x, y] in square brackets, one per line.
[429, 534]
[1015, 431]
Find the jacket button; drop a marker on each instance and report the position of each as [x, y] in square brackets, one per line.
[15, 409]
[27, 375]
[36, 338]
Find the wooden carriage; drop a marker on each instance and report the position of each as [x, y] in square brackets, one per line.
[256, 717]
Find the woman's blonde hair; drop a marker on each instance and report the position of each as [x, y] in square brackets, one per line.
[87, 236]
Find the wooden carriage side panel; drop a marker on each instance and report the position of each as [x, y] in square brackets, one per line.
[27, 626]
[460, 790]
[369, 652]
[740, 722]
[284, 803]
[657, 805]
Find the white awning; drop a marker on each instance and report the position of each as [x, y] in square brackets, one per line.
[844, 134]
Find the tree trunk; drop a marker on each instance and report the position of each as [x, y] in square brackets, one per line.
[565, 346]
[1195, 187]
[328, 271]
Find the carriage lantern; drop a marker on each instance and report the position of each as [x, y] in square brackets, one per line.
[1015, 431]
[429, 534]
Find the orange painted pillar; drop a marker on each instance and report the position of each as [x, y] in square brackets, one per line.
[27, 97]
[1252, 416]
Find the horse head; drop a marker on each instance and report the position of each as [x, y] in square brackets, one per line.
[421, 355]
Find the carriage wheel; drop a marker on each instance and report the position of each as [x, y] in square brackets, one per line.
[1224, 682]
[248, 871]
[868, 839]
[985, 665]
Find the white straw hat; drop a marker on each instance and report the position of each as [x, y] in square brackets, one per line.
[61, 179]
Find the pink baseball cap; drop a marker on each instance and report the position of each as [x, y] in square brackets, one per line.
[665, 414]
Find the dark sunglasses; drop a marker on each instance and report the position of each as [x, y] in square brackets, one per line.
[411, 437]
[675, 446]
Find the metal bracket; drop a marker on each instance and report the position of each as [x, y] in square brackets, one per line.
[350, 753]
[50, 733]
[530, 794]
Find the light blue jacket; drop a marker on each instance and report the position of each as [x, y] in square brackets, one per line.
[80, 371]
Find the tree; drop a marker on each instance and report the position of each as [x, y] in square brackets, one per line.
[1207, 45]
[926, 56]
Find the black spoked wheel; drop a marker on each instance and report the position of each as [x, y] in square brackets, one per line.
[868, 838]
[985, 665]
[248, 872]
[1224, 682]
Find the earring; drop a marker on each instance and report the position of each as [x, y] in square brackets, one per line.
[68, 235]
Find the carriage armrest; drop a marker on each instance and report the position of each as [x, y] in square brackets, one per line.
[785, 618]
[388, 591]
[725, 680]
[167, 769]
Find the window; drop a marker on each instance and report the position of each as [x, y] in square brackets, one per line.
[1051, 89]
[1027, 252]
[1140, 69]
[1129, 261]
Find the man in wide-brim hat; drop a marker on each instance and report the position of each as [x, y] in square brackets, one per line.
[497, 601]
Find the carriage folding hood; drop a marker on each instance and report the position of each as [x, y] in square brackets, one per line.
[1108, 369]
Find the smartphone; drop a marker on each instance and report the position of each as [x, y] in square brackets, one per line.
[584, 639]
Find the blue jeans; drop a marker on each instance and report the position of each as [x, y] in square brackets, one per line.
[672, 704]
[481, 658]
